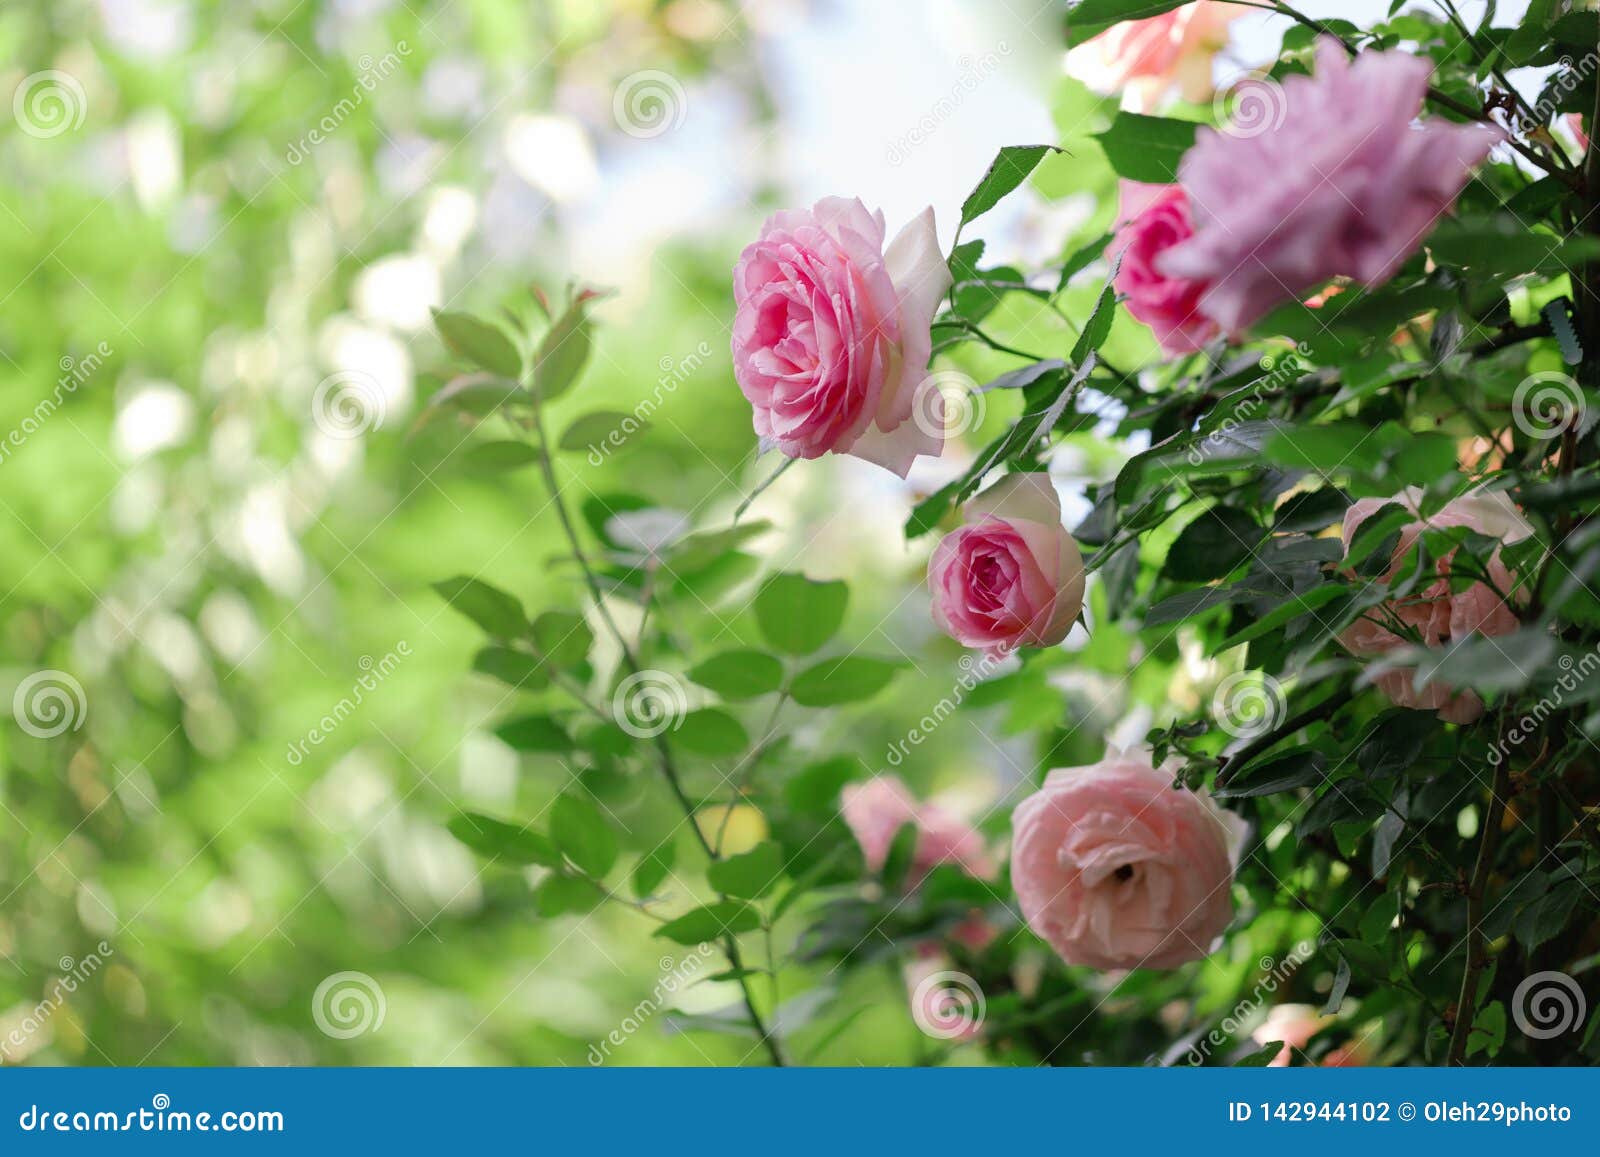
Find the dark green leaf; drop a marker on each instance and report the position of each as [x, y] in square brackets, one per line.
[747, 876]
[500, 840]
[583, 834]
[798, 615]
[1147, 148]
[498, 613]
[534, 733]
[711, 922]
[736, 675]
[1009, 169]
[481, 342]
[847, 680]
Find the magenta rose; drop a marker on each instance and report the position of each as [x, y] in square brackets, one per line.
[1012, 576]
[877, 809]
[831, 334]
[1436, 614]
[1115, 868]
[1151, 219]
[1339, 183]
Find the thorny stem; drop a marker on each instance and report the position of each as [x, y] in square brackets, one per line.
[668, 766]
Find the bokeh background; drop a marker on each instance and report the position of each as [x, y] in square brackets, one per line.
[212, 216]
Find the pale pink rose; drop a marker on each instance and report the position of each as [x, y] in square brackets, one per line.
[1012, 576]
[1295, 1025]
[1151, 219]
[1434, 613]
[1342, 184]
[877, 809]
[831, 334]
[1115, 868]
[1151, 58]
[1575, 126]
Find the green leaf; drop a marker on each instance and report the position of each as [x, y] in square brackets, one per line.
[1092, 17]
[1297, 768]
[1146, 148]
[847, 680]
[500, 840]
[560, 895]
[562, 354]
[1098, 327]
[750, 875]
[582, 833]
[496, 457]
[711, 733]
[1081, 258]
[1341, 985]
[816, 788]
[603, 428]
[737, 675]
[534, 733]
[518, 668]
[1213, 545]
[1488, 1033]
[1261, 1058]
[798, 615]
[1010, 168]
[653, 868]
[562, 637]
[711, 922]
[480, 342]
[497, 612]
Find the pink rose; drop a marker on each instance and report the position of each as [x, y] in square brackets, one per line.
[877, 809]
[830, 337]
[1152, 219]
[1340, 183]
[1575, 126]
[1012, 576]
[1116, 868]
[1435, 614]
[1150, 58]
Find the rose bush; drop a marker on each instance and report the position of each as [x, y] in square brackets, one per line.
[1330, 723]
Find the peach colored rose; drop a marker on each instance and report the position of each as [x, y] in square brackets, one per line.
[1115, 868]
[1012, 576]
[1345, 182]
[1150, 220]
[831, 334]
[1150, 58]
[1435, 615]
[1295, 1025]
[877, 809]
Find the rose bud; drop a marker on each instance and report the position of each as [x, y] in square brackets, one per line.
[1012, 576]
